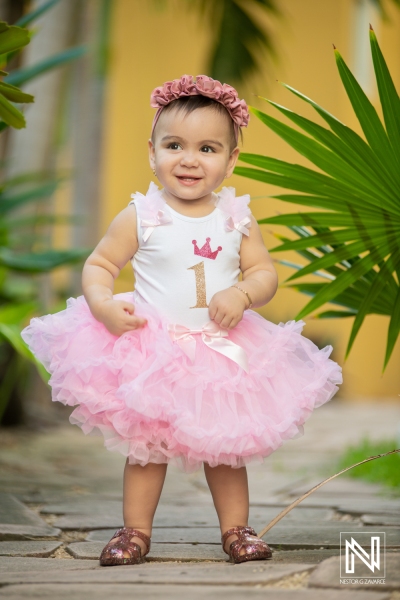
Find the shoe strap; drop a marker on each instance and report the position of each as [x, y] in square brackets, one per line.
[239, 531]
[129, 532]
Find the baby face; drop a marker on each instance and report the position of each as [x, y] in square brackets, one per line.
[192, 152]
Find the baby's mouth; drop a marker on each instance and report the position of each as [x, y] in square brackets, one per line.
[188, 178]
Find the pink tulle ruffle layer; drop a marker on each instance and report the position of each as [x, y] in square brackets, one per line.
[152, 404]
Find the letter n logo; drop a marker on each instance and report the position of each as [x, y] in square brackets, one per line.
[372, 560]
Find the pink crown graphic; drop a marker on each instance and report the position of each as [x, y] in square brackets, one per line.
[206, 249]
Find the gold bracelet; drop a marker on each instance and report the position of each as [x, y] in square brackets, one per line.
[244, 292]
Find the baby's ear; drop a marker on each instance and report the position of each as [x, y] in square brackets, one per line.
[151, 152]
[232, 160]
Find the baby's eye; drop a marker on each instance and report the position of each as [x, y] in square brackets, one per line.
[207, 149]
[174, 146]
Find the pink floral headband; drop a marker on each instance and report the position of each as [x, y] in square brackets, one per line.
[202, 86]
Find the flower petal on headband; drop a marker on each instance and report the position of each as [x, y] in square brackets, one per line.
[171, 90]
[203, 86]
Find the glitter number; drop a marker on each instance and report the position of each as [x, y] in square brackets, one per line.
[199, 274]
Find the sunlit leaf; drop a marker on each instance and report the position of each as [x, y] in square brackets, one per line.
[12, 38]
[14, 94]
[10, 113]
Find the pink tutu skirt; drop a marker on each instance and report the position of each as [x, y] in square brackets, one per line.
[153, 404]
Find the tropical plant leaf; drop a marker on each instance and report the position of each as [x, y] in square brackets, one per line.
[41, 219]
[335, 314]
[12, 333]
[41, 262]
[394, 328]
[330, 259]
[367, 116]
[14, 94]
[335, 219]
[354, 141]
[35, 14]
[12, 38]
[338, 170]
[383, 276]
[366, 174]
[21, 76]
[10, 113]
[238, 37]
[388, 95]
[14, 314]
[9, 202]
[355, 240]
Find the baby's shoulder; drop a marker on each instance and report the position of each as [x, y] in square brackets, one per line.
[125, 222]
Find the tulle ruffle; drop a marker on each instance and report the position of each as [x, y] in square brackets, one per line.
[152, 404]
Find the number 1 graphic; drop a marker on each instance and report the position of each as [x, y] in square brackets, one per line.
[201, 301]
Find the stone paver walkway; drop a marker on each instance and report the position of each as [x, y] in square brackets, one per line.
[61, 500]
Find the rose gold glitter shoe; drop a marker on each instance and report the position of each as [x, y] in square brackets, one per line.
[254, 547]
[113, 554]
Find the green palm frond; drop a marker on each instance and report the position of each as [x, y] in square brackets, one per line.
[238, 37]
[381, 5]
[355, 242]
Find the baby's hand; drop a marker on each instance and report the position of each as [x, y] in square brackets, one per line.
[226, 308]
[118, 316]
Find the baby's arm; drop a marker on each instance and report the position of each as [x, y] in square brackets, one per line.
[260, 280]
[103, 266]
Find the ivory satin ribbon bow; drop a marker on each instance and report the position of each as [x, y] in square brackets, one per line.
[214, 337]
[161, 218]
[240, 225]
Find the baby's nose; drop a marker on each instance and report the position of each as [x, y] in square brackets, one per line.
[189, 159]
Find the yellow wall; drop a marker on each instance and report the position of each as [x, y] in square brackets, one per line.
[150, 46]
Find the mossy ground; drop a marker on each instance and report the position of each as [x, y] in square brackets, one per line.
[384, 470]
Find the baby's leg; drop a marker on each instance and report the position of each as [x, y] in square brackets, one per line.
[230, 492]
[142, 490]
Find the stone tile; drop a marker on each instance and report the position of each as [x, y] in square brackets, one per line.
[342, 486]
[105, 591]
[301, 556]
[175, 535]
[28, 548]
[19, 522]
[381, 519]
[327, 574]
[264, 482]
[34, 570]
[27, 532]
[85, 506]
[370, 505]
[109, 514]
[356, 505]
[294, 535]
[13, 512]
[261, 514]
[21, 566]
[158, 552]
[289, 535]
[86, 521]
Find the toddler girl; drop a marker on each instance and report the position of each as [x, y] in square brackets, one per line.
[180, 370]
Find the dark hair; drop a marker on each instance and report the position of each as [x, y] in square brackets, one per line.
[188, 104]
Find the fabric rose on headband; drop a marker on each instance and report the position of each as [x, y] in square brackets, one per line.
[226, 95]
[171, 90]
[201, 86]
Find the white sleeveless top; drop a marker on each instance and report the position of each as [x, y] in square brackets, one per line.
[183, 261]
